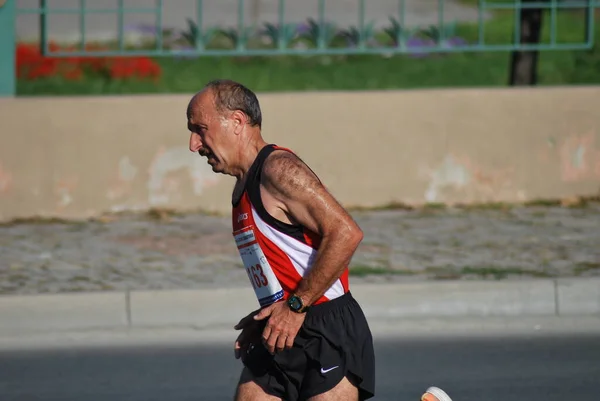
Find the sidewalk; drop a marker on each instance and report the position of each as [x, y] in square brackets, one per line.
[222, 308]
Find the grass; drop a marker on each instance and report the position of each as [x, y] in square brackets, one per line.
[484, 272]
[283, 74]
[452, 273]
[579, 202]
[36, 220]
[502, 272]
[365, 271]
[294, 73]
[585, 267]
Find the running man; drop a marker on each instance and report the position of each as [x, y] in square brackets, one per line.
[309, 339]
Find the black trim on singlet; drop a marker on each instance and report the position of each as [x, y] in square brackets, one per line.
[295, 231]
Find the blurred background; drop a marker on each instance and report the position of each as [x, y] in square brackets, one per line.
[274, 45]
[408, 107]
[462, 135]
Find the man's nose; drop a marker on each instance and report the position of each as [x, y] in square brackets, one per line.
[195, 142]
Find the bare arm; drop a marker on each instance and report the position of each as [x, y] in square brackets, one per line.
[302, 197]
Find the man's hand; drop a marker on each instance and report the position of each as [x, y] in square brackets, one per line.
[282, 327]
[250, 334]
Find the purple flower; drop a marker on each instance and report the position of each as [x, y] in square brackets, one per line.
[456, 41]
[303, 29]
[144, 29]
[418, 44]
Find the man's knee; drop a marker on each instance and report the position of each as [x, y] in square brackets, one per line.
[344, 390]
[250, 391]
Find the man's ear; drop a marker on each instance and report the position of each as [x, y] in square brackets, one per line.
[239, 120]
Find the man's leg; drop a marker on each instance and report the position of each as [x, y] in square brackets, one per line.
[347, 391]
[344, 390]
[251, 391]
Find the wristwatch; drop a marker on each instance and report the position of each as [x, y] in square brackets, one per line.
[296, 304]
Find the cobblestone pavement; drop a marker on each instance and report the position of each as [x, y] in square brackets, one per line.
[194, 251]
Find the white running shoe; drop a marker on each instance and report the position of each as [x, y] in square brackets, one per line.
[435, 394]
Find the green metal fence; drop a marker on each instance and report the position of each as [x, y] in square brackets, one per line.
[7, 48]
[322, 36]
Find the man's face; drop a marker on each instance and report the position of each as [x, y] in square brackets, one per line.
[211, 133]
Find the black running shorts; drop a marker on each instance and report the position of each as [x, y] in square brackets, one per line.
[334, 341]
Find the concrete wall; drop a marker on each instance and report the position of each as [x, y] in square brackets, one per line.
[79, 157]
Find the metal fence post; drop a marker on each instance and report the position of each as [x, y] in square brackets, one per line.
[524, 64]
[7, 48]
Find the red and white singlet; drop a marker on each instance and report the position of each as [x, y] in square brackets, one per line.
[276, 255]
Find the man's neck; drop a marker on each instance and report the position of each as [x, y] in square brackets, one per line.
[247, 157]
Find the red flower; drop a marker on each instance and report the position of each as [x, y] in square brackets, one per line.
[31, 64]
[74, 75]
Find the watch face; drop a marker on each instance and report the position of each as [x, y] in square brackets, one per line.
[295, 303]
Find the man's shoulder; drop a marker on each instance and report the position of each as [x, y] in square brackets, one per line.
[280, 158]
[284, 171]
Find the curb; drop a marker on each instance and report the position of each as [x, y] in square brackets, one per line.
[206, 308]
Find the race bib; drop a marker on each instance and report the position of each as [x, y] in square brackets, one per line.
[261, 275]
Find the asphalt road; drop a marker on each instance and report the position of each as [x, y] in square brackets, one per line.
[552, 368]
